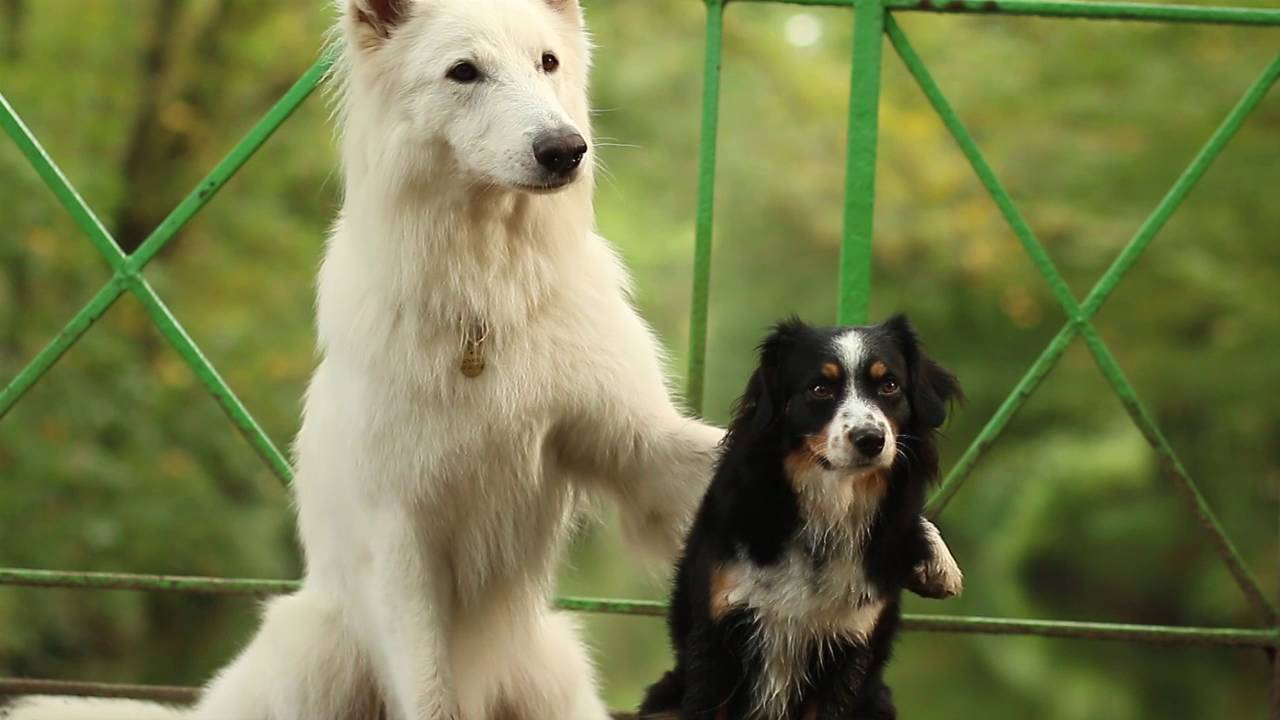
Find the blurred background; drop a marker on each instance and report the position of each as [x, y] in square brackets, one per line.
[118, 460]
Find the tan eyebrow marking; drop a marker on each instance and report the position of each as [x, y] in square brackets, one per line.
[724, 579]
[831, 371]
[879, 370]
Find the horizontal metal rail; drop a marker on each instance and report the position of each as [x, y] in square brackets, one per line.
[1129, 632]
[1072, 9]
[1097, 11]
[923, 623]
[169, 694]
[149, 583]
[159, 693]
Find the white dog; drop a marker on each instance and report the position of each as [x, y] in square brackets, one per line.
[482, 370]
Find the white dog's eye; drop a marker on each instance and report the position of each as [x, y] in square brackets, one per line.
[550, 63]
[464, 72]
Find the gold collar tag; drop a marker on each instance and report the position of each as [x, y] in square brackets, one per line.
[473, 339]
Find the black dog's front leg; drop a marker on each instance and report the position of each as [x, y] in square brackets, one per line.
[936, 575]
[852, 686]
[871, 701]
[715, 675]
[878, 705]
[849, 688]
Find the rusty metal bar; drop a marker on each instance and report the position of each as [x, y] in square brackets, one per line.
[169, 694]
[158, 693]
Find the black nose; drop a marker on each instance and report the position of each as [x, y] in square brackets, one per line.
[868, 442]
[560, 153]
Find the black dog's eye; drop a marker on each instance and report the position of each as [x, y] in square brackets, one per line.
[821, 391]
[889, 386]
[550, 63]
[463, 72]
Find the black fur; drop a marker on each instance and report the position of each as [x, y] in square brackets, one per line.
[752, 511]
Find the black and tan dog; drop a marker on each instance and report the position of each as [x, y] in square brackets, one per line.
[786, 599]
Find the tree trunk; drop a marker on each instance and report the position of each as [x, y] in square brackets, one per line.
[16, 12]
[145, 150]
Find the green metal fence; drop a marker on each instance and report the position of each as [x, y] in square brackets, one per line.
[874, 20]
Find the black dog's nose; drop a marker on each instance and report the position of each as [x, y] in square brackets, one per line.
[868, 442]
[560, 153]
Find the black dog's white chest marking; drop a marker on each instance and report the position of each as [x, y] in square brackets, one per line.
[815, 594]
[800, 607]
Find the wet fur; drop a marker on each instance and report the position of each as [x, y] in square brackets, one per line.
[780, 612]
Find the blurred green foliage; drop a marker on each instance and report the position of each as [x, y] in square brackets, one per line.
[118, 461]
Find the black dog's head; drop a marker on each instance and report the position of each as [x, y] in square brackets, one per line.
[845, 400]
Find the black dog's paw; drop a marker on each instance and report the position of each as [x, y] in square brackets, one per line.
[664, 696]
[939, 577]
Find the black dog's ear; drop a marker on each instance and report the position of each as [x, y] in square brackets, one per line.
[931, 388]
[760, 407]
[753, 413]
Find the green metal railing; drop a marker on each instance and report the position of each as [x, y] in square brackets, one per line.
[874, 20]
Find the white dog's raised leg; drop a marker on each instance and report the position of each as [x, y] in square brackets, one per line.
[654, 461]
[628, 438]
[661, 481]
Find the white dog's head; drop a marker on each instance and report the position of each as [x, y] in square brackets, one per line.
[500, 85]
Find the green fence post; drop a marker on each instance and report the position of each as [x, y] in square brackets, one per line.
[695, 384]
[860, 172]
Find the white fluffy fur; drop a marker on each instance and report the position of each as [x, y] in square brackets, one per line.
[433, 507]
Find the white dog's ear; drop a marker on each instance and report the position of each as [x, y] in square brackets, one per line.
[378, 17]
[565, 6]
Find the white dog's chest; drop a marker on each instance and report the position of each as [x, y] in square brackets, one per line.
[473, 453]
[488, 467]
